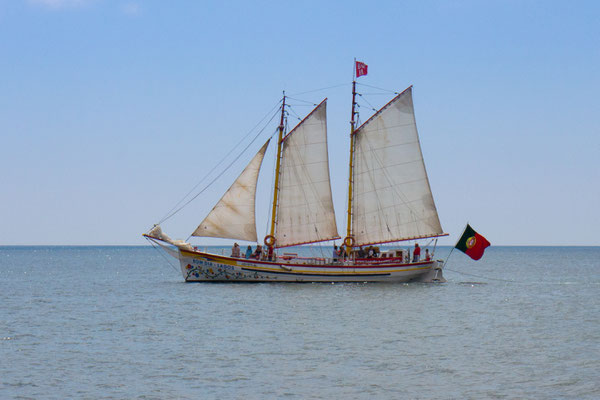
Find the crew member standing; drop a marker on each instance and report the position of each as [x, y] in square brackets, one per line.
[416, 253]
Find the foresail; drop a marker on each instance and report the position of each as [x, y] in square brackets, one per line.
[392, 200]
[305, 208]
[234, 215]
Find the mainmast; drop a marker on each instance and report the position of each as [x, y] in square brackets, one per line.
[270, 239]
[349, 239]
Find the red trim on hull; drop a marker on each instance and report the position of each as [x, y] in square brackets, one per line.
[379, 263]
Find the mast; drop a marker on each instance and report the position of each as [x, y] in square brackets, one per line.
[305, 212]
[349, 239]
[392, 201]
[270, 239]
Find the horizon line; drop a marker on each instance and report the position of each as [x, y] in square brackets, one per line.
[314, 245]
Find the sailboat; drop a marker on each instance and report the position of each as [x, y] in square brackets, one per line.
[389, 202]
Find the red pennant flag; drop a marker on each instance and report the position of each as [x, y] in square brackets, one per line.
[361, 69]
[472, 243]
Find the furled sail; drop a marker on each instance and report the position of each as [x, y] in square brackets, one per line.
[392, 200]
[305, 208]
[234, 215]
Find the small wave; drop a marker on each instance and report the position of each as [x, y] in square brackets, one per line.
[20, 384]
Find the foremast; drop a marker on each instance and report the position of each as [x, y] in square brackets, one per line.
[270, 238]
[303, 204]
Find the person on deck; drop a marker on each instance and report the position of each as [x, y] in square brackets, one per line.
[343, 253]
[416, 253]
[257, 252]
[249, 252]
[336, 253]
[370, 252]
[270, 253]
[235, 250]
[427, 255]
[361, 252]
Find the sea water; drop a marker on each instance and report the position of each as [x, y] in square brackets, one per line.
[120, 323]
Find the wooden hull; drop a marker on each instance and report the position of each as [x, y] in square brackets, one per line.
[199, 266]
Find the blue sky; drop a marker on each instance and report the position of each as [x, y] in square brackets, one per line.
[110, 111]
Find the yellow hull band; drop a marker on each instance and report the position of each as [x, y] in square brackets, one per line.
[235, 263]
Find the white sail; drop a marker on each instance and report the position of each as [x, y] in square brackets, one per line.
[234, 215]
[392, 199]
[305, 208]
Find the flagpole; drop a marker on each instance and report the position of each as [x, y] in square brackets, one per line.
[455, 245]
[446, 260]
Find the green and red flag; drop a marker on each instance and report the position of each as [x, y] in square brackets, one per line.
[472, 243]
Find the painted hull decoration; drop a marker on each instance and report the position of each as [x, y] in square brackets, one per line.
[200, 267]
[389, 201]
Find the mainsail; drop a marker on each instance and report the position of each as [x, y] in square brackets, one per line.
[392, 200]
[305, 208]
[234, 215]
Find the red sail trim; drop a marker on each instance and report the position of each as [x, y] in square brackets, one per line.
[402, 240]
[277, 247]
[381, 109]
[305, 118]
[300, 244]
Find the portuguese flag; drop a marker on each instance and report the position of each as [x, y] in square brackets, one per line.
[472, 243]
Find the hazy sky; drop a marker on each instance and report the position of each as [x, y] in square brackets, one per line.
[110, 111]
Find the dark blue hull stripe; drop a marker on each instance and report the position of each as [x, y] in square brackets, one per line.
[303, 274]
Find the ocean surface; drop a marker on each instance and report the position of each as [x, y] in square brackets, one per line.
[120, 323]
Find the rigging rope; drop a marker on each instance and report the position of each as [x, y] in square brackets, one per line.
[317, 90]
[479, 276]
[376, 94]
[170, 213]
[294, 112]
[162, 254]
[304, 101]
[378, 88]
[220, 174]
[465, 273]
[366, 101]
